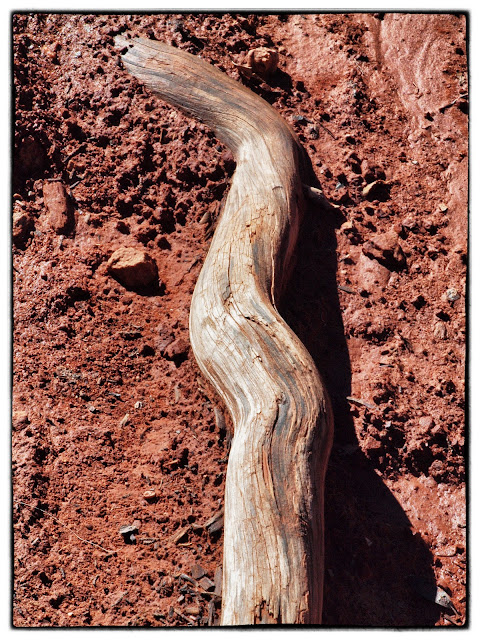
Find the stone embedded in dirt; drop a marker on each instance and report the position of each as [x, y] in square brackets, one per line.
[371, 275]
[125, 420]
[19, 419]
[427, 588]
[377, 190]
[262, 61]
[372, 446]
[60, 214]
[440, 330]
[150, 495]
[385, 248]
[128, 531]
[22, 226]
[452, 295]
[133, 268]
[426, 422]
[177, 350]
[371, 172]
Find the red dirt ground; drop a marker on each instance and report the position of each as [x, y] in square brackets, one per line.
[108, 402]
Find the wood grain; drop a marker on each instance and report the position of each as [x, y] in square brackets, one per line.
[273, 535]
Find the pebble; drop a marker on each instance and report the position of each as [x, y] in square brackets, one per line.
[452, 295]
[178, 348]
[128, 531]
[371, 275]
[262, 61]
[133, 268]
[125, 420]
[138, 404]
[19, 419]
[377, 190]
[22, 225]
[60, 214]
[440, 330]
[426, 422]
[385, 248]
[150, 494]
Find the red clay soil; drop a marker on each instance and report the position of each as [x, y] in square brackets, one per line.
[114, 426]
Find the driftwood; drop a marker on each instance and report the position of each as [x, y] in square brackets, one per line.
[273, 534]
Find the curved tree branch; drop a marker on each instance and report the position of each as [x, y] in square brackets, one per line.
[273, 535]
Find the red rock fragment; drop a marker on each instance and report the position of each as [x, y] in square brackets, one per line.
[371, 275]
[22, 225]
[385, 248]
[176, 350]
[133, 268]
[377, 190]
[60, 215]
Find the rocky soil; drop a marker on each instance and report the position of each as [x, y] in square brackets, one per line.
[115, 199]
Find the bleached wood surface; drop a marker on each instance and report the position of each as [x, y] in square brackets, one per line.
[273, 534]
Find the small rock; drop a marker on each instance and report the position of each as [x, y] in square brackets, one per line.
[138, 404]
[371, 172]
[51, 51]
[59, 207]
[19, 419]
[377, 190]
[347, 226]
[443, 207]
[385, 248]
[452, 295]
[262, 61]
[437, 470]
[133, 268]
[128, 531]
[371, 275]
[426, 423]
[125, 420]
[22, 226]
[440, 330]
[176, 350]
[150, 495]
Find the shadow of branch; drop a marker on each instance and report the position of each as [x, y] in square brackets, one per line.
[371, 551]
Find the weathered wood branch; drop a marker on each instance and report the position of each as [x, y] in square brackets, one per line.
[273, 535]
